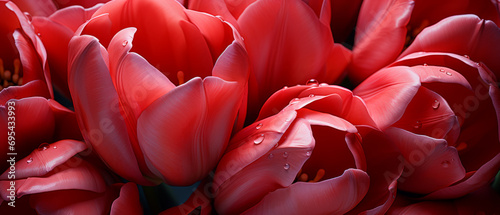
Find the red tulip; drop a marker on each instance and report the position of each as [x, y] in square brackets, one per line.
[386, 28]
[23, 60]
[321, 134]
[57, 181]
[147, 124]
[443, 111]
[55, 32]
[48, 7]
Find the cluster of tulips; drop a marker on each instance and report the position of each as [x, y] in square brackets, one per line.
[253, 106]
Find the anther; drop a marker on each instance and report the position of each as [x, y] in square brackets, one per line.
[180, 77]
[319, 175]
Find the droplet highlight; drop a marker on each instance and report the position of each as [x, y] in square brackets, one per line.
[445, 164]
[125, 42]
[270, 156]
[425, 64]
[286, 166]
[43, 146]
[417, 125]
[258, 126]
[294, 101]
[448, 73]
[28, 16]
[29, 160]
[435, 104]
[312, 82]
[258, 139]
[467, 56]
[285, 154]
[308, 153]
[311, 95]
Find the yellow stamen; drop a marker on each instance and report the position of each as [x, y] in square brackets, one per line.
[180, 77]
[9, 78]
[319, 175]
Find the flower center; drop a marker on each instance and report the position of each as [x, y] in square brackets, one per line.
[9, 78]
[305, 178]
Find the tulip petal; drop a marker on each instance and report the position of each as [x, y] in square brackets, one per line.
[430, 164]
[74, 16]
[37, 7]
[204, 113]
[62, 202]
[29, 58]
[473, 34]
[97, 108]
[333, 196]
[46, 158]
[380, 36]
[295, 49]
[269, 168]
[128, 201]
[65, 122]
[387, 94]
[30, 114]
[36, 88]
[216, 32]
[219, 8]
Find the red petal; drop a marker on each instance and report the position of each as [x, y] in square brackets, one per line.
[36, 88]
[97, 107]
[430, 164]
[46, 158]
[193, 120]
[37, 7]
[72, 202]
[333, 196]
[248, 173]
[374, 46]
[464, 34]
[74, 16]
[216, 7]
[387, 93]
[128, 201]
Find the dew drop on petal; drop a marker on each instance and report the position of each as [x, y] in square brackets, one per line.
[418, 124]
[39, 35]
[312, 82]
[29, 160]
[55, 147]
[441, 70]
[43, 147]
[311, 95]
[286, 166]
[258, 126]
[435, 104]
[271, 156]
[323, 85]
[448, 73]
[125, 42]
[258, 139]
[28, 16]
[294, 101]
[467, 56]
[285, 154]
[308, 153]
[425, 64]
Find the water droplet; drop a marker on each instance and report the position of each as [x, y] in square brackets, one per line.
[29, 160]
[448, 73]
[55, 147]
[445, 164]
[294, 101]
[467, 56]
[43, 147]
[425, 64]
[285, 154]
[276, 146]
[435, 104]
[125, 42]
[39, 35]
[311, 95]
[418, 124]
[285, 87]
[28, 16]
[258, 126]
[271, 156]
[286, 166]
[441, 70]
[312, 82]
[258, 139]
[323, 84]
[308, 153]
